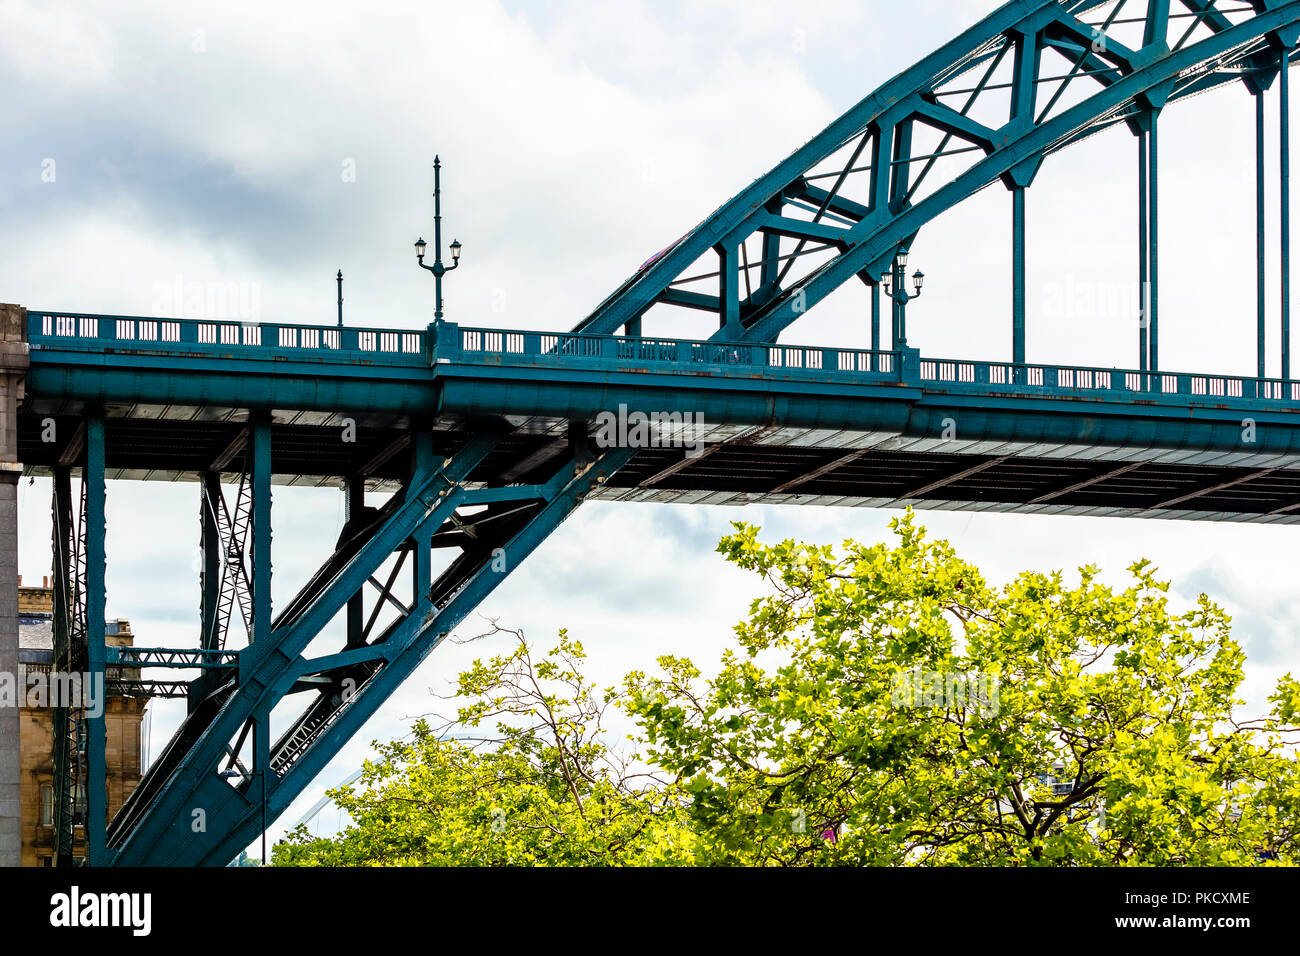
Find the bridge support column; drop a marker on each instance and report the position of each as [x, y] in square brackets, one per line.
[96, 733]
[1018, 180]
[13, 368]
[1285, 136]
[1149, 241]
[1018, 275]
[1261, 242]
[354, 501]
[1153, 337]
[210, 555]
[69, 778]
[729, 292]
[423, 462]
[259, 446]
[1144, 270]
[212, 558]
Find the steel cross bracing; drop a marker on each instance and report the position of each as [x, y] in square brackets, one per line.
[483, 437]
[341, 689]
[232, 529]
[1032, 78]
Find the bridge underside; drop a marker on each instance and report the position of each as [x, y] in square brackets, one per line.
[732, 465]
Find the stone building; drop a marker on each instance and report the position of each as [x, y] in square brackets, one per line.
[123, 717]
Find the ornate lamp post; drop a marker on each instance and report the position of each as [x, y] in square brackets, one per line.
[895, 285]
[438, 269]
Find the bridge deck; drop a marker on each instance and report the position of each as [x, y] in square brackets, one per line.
[782, 424]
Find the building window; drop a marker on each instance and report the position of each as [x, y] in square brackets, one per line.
[47, 805]
[47, 861]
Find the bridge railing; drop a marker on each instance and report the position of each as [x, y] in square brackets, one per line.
[141, 332]
[451, 342]
[455, 342]
[1083, 380]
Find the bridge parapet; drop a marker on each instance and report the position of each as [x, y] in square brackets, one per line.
[191, 344]
[457, 344]
[126, 333]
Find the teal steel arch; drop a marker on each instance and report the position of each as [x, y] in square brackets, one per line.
[1026, 61]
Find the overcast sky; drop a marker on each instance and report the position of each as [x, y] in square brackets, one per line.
[268, 145]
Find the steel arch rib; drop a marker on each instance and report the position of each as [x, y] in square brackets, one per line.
[1130, 80]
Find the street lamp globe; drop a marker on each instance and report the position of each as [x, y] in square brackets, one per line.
[420, 246]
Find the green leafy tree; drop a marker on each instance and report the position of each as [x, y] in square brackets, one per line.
[545, 790]
[844, 728]
[883, 705]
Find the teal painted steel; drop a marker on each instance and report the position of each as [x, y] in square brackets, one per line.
[210, 501]
[270, 670]
[154, 826]
[733, 374]
[96, 729]
[1285, 164]
[1261, 241]
[104, 359]
[1144, 248]
[1018, 276]
[179, 657]
[1133, 82]
[564, 375]
[1153, 225]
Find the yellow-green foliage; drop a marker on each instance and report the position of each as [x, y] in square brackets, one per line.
[799, 752]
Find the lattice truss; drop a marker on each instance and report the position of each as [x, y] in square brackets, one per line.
[233, 524]
[68, 532]
[1033, 78]
[375, 608]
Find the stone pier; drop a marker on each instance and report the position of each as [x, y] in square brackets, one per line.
[13, 369]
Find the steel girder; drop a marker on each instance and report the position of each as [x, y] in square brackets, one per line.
[80, 738]
[185, 812]
[877, 149]
[69, 639]
[225, 537]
